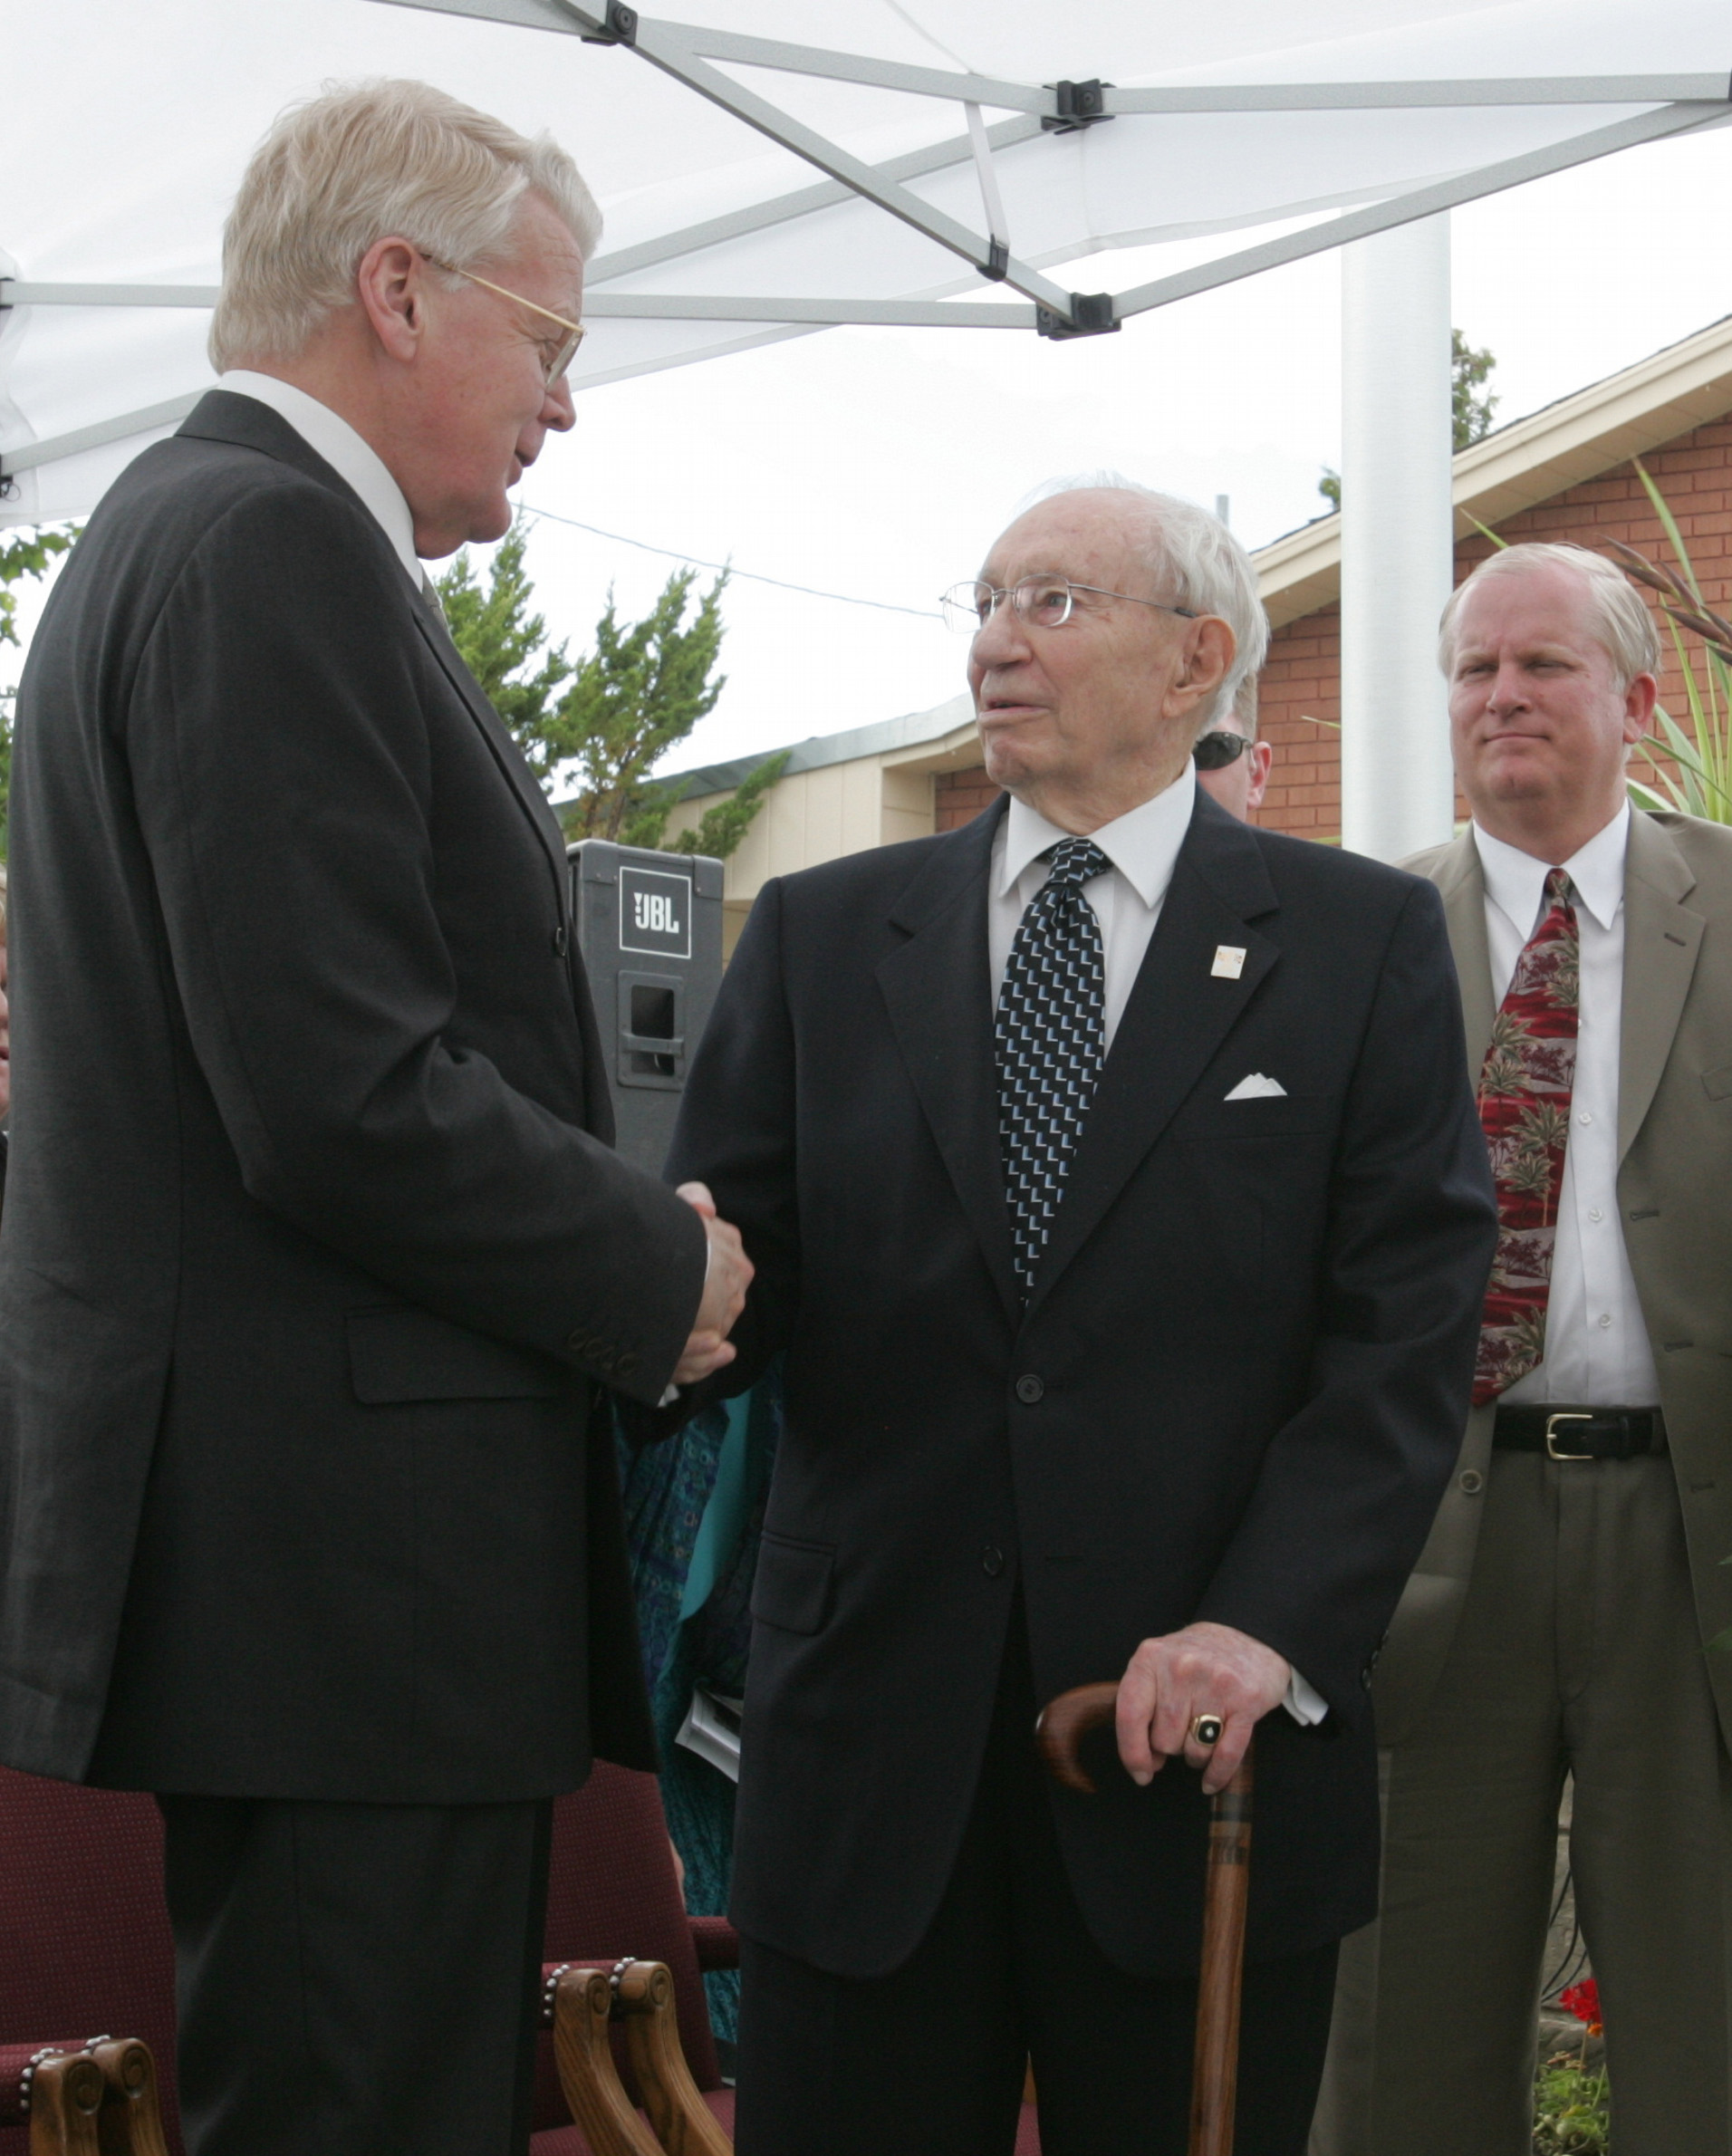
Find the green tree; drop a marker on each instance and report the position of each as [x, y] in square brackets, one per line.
[26, 553]
[719, 829]
[1470, 410]
[641, 691]
[503, 646]
[606, 721]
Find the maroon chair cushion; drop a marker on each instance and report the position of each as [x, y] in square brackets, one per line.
[717, 1941]
[87, 1950]
[611, 1892]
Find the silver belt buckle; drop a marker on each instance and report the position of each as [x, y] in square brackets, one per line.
[1552, 1448]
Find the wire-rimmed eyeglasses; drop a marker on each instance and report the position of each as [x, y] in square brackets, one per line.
[553, 365]
[1045, 601]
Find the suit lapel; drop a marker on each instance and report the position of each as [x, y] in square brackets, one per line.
[1462, 884]
[1178, 1013]
[1661, 939]
[504, 751]
[938, 990]
[225, 416]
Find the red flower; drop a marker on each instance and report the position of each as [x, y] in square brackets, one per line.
[1583, 2000]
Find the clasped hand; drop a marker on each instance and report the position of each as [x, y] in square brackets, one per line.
[730, 1274]
[1206, 1669]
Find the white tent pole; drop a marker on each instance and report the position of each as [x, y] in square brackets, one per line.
[1396, 790]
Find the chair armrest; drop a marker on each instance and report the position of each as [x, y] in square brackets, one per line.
[717, 1942]
[92, 2099]
[684, 2125]
[577, 2004]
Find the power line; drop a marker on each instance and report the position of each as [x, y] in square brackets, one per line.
[884, 606]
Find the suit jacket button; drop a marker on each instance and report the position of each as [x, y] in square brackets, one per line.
[627, 1364]
[1365, 1677]
[561, 940]
[992, 1561]
[1472, 1481]
[1029, 1390]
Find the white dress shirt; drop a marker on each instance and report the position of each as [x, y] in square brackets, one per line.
[349, 457]
[1143, 847]
[1597, 1352]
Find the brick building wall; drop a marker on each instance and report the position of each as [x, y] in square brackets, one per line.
[1300, 683]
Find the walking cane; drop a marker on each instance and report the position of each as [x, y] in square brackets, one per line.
[1214, 2072]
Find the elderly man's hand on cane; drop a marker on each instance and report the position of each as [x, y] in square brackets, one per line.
[1196, 1693]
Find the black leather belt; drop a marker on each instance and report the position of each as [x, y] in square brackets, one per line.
[1580, 1433]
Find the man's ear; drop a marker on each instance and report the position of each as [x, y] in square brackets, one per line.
[1639, 699]
[1210, 646]
[390, 285]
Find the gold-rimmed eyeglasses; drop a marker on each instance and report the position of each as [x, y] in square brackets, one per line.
[554, 366]
[1046, 601]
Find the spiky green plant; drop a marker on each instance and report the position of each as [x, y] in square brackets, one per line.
[1701, 785]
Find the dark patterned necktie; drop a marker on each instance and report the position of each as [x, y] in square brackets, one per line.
[1526, 1087]
[1051, 1041]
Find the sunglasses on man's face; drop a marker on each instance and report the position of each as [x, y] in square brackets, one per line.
[1215, 752]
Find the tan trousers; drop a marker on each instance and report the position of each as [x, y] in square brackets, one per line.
[1578, 1652]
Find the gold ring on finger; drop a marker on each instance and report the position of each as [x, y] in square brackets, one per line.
[1205, 1729]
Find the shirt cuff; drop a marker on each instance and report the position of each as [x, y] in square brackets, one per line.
[1303, 1703]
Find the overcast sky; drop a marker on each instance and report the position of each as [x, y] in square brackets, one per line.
[880, 464]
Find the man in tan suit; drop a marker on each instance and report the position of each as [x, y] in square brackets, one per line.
[1558, 1622]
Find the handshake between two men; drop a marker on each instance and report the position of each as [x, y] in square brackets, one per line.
[726, 1281]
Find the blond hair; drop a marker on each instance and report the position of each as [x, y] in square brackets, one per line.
[1621, 622]
[358, 163]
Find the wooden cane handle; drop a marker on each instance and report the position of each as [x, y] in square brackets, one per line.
[1064, 1722]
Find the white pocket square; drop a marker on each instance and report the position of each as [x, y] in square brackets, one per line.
[1257, 1087]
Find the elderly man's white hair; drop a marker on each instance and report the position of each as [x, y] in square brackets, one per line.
[357, 163]
[1621, 622]
[1196, 562]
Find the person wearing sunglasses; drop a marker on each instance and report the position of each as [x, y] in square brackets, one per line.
[1017, 1122]
[312, 1171]
[1232, 764]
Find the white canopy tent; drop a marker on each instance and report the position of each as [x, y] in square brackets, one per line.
[759, 183]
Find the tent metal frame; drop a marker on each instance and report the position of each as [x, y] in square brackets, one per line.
[1677, 103]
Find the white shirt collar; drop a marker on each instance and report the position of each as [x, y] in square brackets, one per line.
[1142, 844]
[1516, 880]
[350, 457]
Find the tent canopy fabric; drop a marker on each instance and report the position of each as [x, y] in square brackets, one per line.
[963, 163]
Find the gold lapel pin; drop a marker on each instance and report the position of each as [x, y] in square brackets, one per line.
[1230, 962]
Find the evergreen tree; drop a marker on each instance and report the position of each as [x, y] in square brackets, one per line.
[26, 553]
[1469, 413]
[609, 719]
[641, 691]
[503, 645]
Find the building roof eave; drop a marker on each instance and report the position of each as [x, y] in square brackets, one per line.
[1531, 459]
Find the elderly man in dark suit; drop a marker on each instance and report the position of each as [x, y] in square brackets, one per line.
[1114, 1189]
[316, 1253]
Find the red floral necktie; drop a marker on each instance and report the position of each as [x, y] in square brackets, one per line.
[1525, 1091]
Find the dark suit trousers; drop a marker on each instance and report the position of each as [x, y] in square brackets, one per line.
[357, 1979]
[929, 2061]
